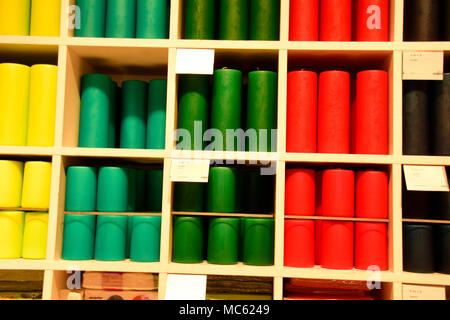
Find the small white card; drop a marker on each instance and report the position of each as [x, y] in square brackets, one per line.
[195, 61]
[185, 287]
[189, 170]
[412, 292]
[426, 178]
[423, 65]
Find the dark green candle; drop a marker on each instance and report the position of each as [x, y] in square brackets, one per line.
[134, 113]
[443, 248]
[223, 240]
[81, 189]
[187, 244]
[258, 242]
[193, 106]
[112, 194]
[226, 107]
[262, 108]
[92, 18]
[440, 117]
[113, 114]
[189, 197]
[264, 19]
[121, 19]
[199, 19]
[152, 19]
[136, 190]
[156, 118]
[260, 195]
[418, 248]
[154, 189]
[222, 190]
[233, 20]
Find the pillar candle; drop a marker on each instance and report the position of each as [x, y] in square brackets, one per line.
[262, 109]
[11, 234]
[152, 19]
[199, 19]
[300, 192]
[35, 236]
[154, 189]
[81, 189]
[335, 20]
[372, 20]
[422, 20]
[372, 94]
[264, 19]
[14, 103]
[337, 245]
[372, 194]
[15, 17]
[226, 108]
[187, 240]
[416, 204]
[94, 111]
[189, 197]
[45, 18]
[156, 116]
[78, 237]
[319, 212]
[334, 112]
[443, 202]
[114, 114]
[443, 248]
[233, 20]
[134, 112]
[371, 245]
[223, 240]
[222, 190]
[299, 239]
[121, 19]
[418, 253]
[338, 193]
[110, 238]
[446, 21]
[301, 134]
[258, 241]
[133, 191]
[416, 106]
[145, 239]
[11, 183]
[92, 18]
[440, 117]
[37, 176]
[193, 106]
[112, 194]
[304, 20]
[42, 108]
[258, 190]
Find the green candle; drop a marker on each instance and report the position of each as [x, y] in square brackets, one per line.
[156, 119]
[187, 240]
[78, 237]
[112, 194]
[222, 190]
[189, 197]
[199, 19]
[152, 21]
[81, 189]
[258, 242]
[121, 19]
[264, 19]
[110, 238]
[113, 115]
[154, 189]
[226, 106]
[145, 239]
[233, 20]
[136, 190]
[262, 108]
[260, 193]
[92, 18]
[223, 240]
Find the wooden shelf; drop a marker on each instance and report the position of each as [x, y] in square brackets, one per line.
[23, 209]
[430, 221]
[223, 214]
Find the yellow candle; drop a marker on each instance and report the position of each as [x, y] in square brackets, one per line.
[45, 18]
[15, 17]
[11, 232]
[35, 236]
[11, 173]
[36, 184]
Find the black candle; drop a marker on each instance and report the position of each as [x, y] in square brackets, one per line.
[440, 117]
[418, 245]
[445, 12]
[422, 20]
[442, 234]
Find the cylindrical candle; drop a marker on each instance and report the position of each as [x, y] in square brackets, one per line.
[11, 183]
[114, 114]
[45, 18]
[333, 132]
[121, 19]
[258, 241]
[264, 19]
[372, 20]
[337, 245]
[223, 240]
[338, 193]
[136, 190]
[187, 240]
[15, 17]
[372, 194]
[300, 192]
[35, 236]
[418, 245]
[262, 109]
[443, 202]
[78, 237]
[37, 176]
[189, 197]
[145, 239]
[445, 35]
[258, 191]
[422, 20]
[91, 17]
[199, 19]
[154, 189]
[226, 108]
[443, 248]
[81, 189]
[94, 111]
[110, 238]
[335, 20]
[301, 126]
[112, 194]
[233, 20]
[372, 94]
[371, 245]
[14, 102]
[152, 19]
[42, 111]
[416, 204]
[156, 116]
[11, 234]
[304, 20]
[299, 239]
[440, 117]
[222, 190]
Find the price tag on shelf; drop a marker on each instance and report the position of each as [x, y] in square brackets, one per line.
[185, 287]
[412, 292]
[195, 61]
[189, 170]
[426, 178]
[423, 65]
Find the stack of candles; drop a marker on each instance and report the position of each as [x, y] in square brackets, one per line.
[144, 19]
[138, 108]
[237, 19]
[112, 237]
[332, 20]
[27, 104]
[30, 17]
[336, 244]
[229, 240]
[326, 116]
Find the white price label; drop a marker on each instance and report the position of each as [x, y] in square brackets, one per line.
[423, 65]
[426, 178]
[195, 61]
[189, 170]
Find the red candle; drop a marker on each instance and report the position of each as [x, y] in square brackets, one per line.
[335, 20]
[371, 245]
[334, 112]
[304, 20]
[299, 243]
[372, 197]
[372, 20]
[337, 245]
[318, 224]
[352, 115]
[372, 95]
[338, 193]
[301, 112]
[318, 238]
[300, 192]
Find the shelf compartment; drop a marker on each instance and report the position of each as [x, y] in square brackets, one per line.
[29, 50]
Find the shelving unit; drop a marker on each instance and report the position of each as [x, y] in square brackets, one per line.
[148, 59]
